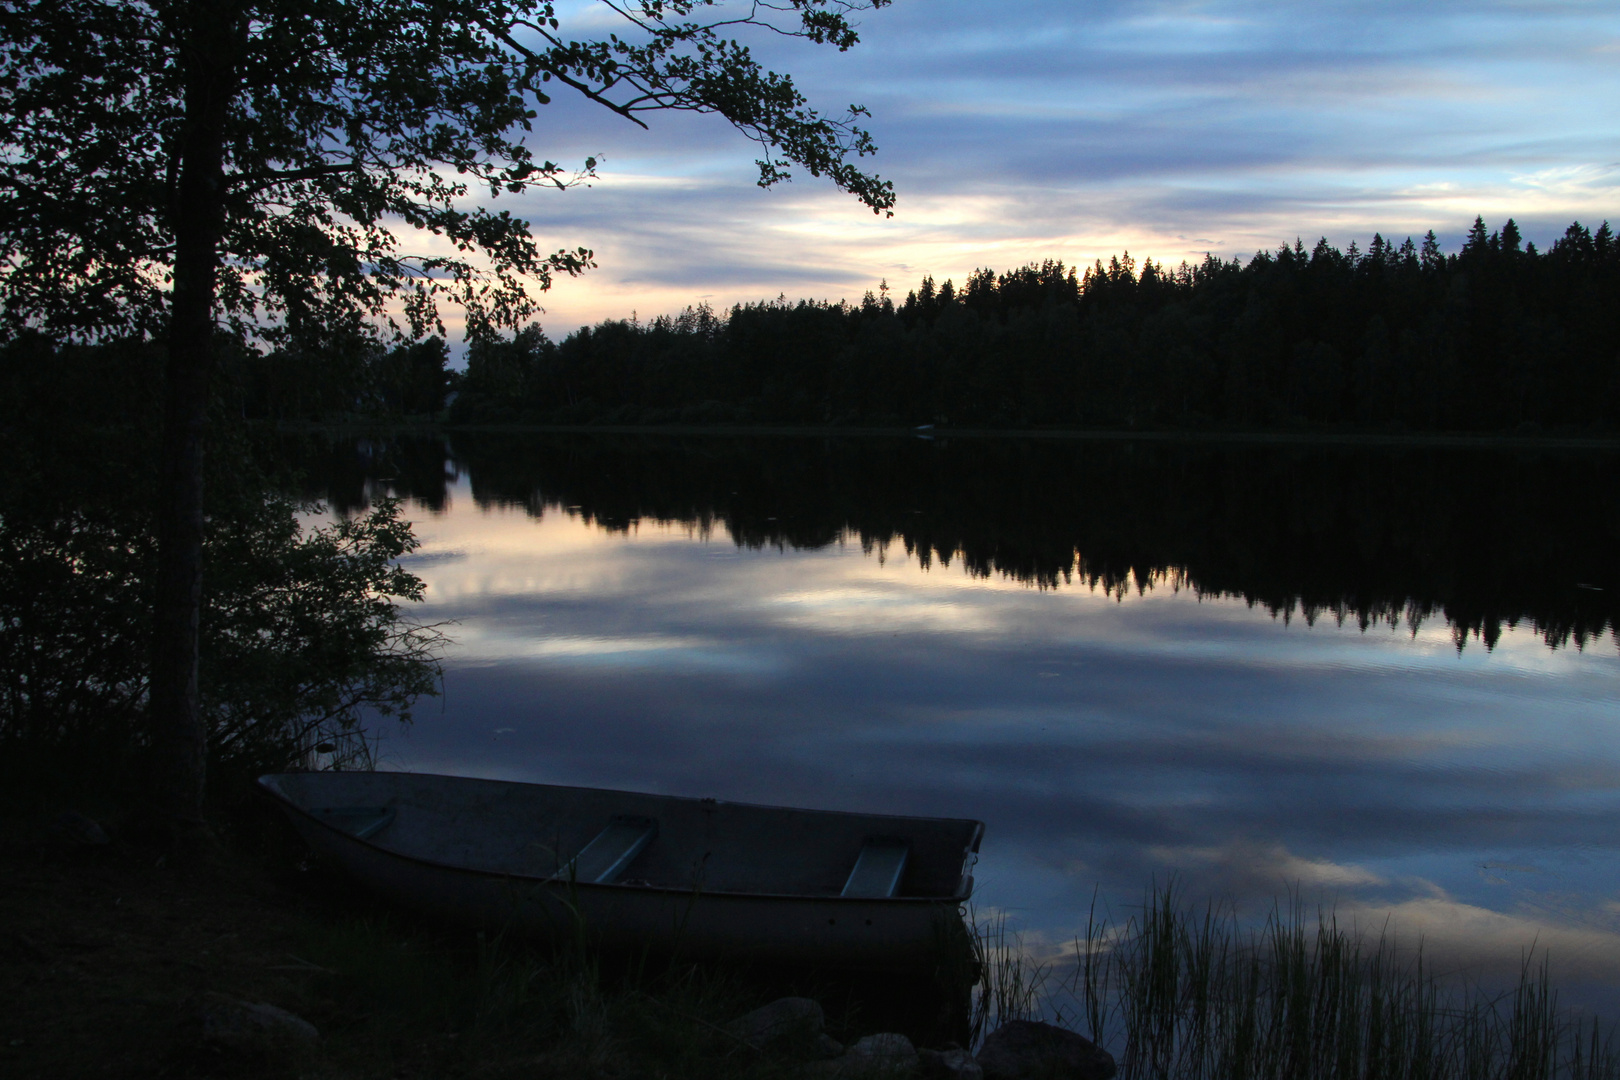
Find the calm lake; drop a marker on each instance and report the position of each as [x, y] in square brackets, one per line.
[1382, 678]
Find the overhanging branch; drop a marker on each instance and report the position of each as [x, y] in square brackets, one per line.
[254, 181]
[563, 77]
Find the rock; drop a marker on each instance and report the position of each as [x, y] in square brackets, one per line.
[828, 1047]
[785, 1024]
[1029, 1049]
[230, 1021]
[954, 1064]
[72, 829]
[23, 945]
[879, 1055]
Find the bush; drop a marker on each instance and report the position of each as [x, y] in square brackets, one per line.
[302, 633]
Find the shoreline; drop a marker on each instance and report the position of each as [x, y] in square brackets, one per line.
[1443, 440]
[254, 963]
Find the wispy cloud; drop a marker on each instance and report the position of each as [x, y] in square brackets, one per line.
[1054, 129]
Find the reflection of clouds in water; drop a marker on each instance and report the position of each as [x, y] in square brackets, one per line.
[1464, 945]
[833, 590]
[1493, 943]
[1171, 736]
[432, 558]
[478, 645]
[1244, 868]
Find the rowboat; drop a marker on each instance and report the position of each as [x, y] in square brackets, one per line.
[703, 878]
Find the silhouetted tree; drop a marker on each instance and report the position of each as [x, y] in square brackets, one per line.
[187, 170]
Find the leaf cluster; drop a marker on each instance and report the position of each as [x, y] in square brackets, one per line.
[366, 145]
[303, 632]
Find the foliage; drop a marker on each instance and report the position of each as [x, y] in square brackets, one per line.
[364, 148]
[303, 638]
[1497, 337]
[301, 631]
[519, 1009]
[308, 174]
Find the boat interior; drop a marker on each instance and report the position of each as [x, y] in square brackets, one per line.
[592, 836]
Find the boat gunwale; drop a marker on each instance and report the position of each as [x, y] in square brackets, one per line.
[554, 883]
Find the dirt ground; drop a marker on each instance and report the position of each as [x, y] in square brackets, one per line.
[116, 961]
[108, 955]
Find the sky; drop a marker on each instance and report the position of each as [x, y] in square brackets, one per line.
[1075, 130]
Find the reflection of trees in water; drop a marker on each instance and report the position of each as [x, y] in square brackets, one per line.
[346, 473]
[1485, 538]
[302, 644]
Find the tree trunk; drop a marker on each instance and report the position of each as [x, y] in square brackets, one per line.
[208, 50]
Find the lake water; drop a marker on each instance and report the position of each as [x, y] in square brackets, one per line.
[1384, 679]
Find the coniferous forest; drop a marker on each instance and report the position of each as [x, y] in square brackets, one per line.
[1497, 337]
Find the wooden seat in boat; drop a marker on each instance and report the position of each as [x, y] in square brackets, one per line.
[601, 861]
[360, 822]
[878, 869]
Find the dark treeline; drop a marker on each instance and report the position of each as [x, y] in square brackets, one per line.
[1402, 337]
[352, 378]
[1485, 538]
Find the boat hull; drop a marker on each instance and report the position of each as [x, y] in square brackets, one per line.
[893, 933]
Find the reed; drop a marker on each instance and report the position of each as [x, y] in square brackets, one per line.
[1189, 992]
[1012, 984]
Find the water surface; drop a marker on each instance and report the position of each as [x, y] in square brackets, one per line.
[1384, 679]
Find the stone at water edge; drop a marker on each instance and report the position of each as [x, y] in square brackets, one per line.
[879, 1055]
[73, 829]
[228, 1020]
[1026, 1049]
[948, 1065]
[791, 1021]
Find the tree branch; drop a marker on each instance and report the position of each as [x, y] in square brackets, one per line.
[567, 80]
[251, 181]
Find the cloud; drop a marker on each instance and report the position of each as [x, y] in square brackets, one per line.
[1074, 130]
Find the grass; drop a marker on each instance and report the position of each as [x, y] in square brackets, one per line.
[492, 1007]
[110, 955]
[1012, 984]
[1188, 992]
[487, 1005]
[106, 954]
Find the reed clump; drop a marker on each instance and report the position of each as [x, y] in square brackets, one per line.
[1011, 983]
[1189, 992]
